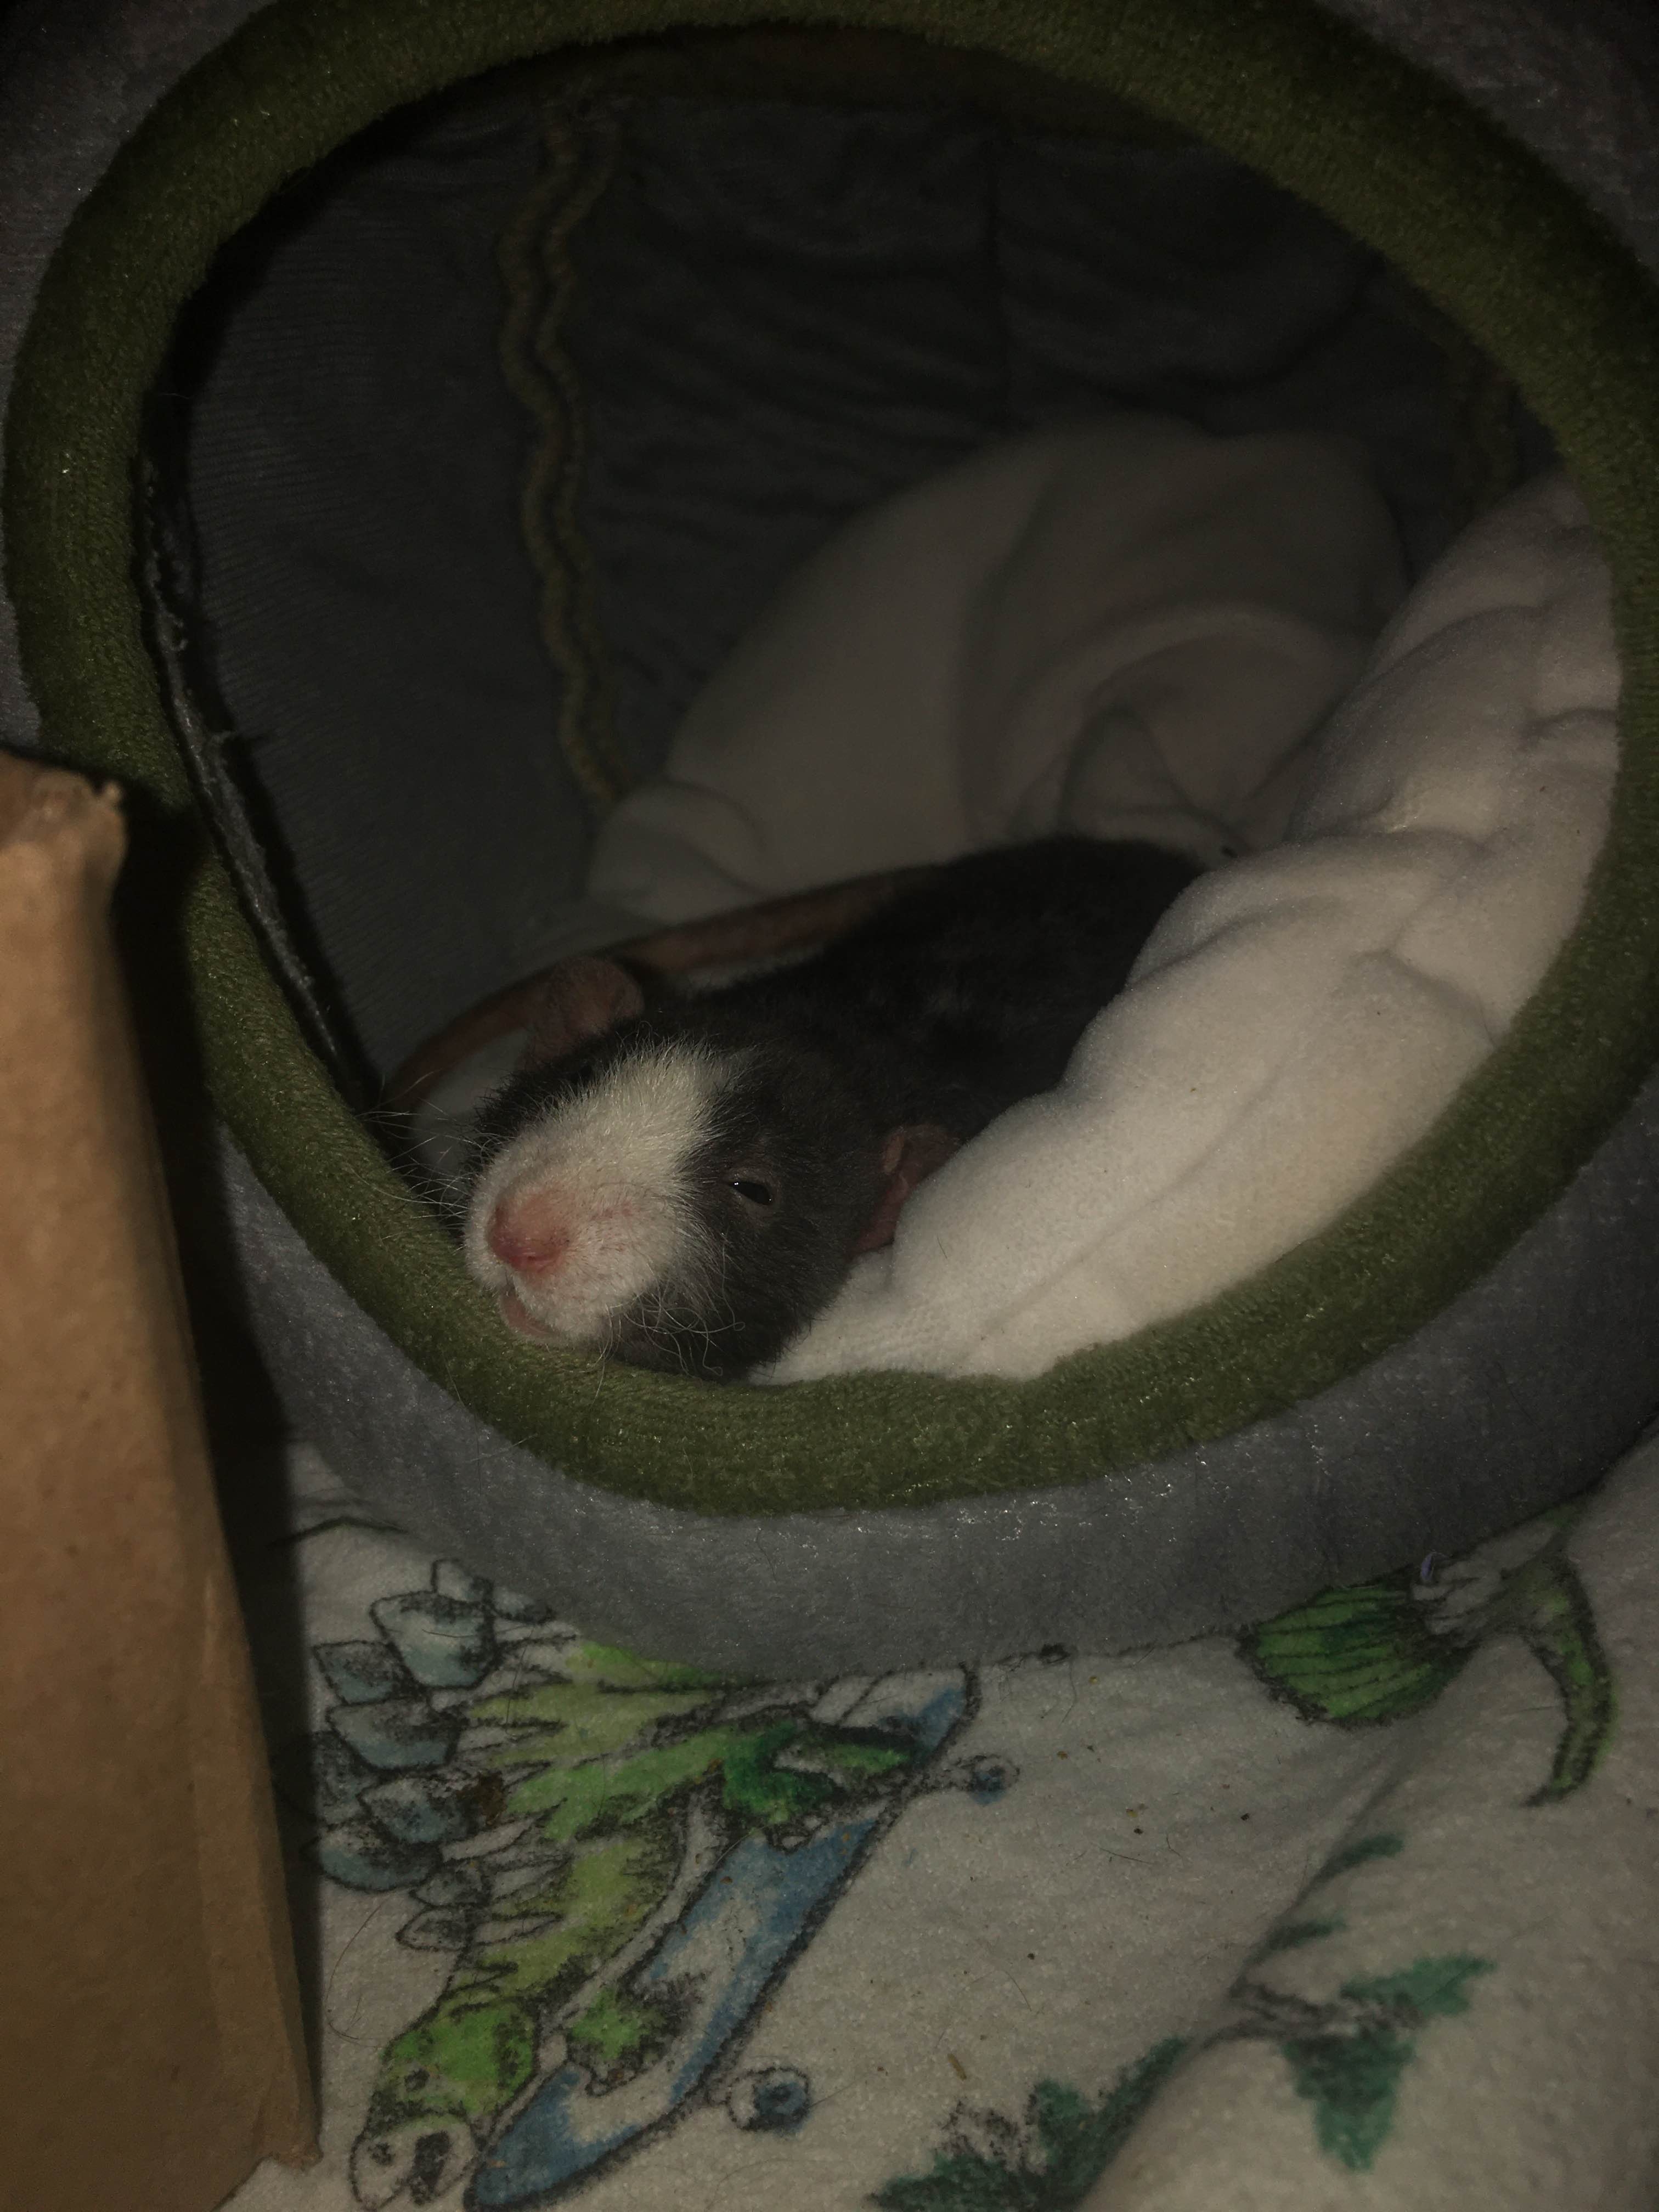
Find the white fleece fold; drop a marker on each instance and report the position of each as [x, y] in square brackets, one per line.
[1135, 630]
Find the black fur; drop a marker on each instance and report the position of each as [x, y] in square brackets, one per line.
[961, 997]
[971, 991]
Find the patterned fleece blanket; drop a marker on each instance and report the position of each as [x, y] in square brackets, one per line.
[1357, 1910]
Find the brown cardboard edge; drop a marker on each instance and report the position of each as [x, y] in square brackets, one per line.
[149, 1961]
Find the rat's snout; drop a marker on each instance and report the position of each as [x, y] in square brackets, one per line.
[529, 1232]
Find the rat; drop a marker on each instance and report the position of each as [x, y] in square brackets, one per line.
[684, 1182]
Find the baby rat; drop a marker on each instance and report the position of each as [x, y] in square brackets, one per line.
[684, 1183]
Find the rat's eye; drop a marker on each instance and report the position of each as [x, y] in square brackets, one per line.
[757, 1193]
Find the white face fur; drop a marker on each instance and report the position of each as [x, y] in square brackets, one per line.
[597, 1188]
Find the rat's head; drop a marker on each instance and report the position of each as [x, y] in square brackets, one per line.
[683, 1189]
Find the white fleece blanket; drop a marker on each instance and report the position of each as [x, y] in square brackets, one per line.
[1134, 629]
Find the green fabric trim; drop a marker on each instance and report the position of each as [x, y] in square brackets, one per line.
[1471, 219]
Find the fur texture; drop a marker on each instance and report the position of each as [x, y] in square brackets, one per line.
[686, 1185]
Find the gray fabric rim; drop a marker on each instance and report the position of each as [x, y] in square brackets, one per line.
[1523, 1391]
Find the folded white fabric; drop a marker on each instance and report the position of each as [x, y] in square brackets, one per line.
[1136, 630]
[1129, 625]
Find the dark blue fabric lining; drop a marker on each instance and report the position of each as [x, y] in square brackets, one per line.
[784, 313]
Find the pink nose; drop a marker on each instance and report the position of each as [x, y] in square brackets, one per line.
[529, 1234]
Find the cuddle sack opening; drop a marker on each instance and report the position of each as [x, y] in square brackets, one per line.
[972, 1513]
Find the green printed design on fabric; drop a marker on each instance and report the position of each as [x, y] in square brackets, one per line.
[1349, 2069]
[1382, 1651]
[618, 2033]
[1346, 2054]
[1356, 1656]
[1292, 1937]
[1546, 1604]
[606, 1814]
[465, 2059]
[1357, 1854]
[567, 1817]
[1046, 2162]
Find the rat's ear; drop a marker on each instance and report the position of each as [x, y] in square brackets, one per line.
[582, 998]
[908, 1158]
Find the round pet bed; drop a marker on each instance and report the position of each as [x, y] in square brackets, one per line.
[1464, 1339]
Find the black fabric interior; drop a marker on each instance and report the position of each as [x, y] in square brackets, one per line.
[782, 312]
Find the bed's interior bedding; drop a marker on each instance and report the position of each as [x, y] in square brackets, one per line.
[774, 312]
[1305, 1013]
[1134, 631]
